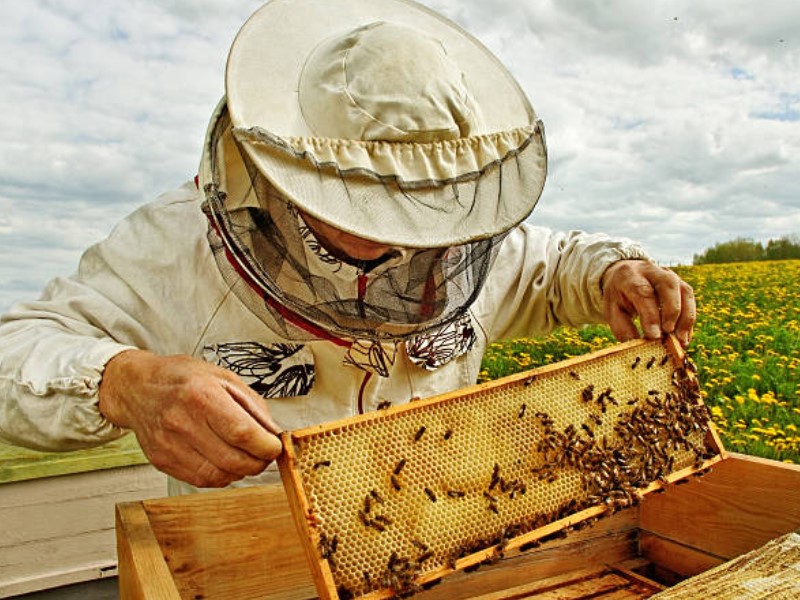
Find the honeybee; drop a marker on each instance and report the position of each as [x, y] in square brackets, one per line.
[495, 476]
[588, 393]
[377, 525]
[422, 546]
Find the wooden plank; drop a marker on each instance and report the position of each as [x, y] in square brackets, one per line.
[20, 464]
[676, 558]
[603, 581]
[58, 579]
[612, 539]
[634, 576]
[56, 562]
[622, 594]
[143, 574]
[60, 530]
[577, 584]
[547, 583]
[234, 544]
[740, 505]
[305, 521]
[68, 514]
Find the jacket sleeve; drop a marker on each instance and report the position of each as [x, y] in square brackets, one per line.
[129, 292]
[542, 280]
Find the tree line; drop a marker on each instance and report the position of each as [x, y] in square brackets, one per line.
[745, 249]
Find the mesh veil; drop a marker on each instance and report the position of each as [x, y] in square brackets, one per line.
[297, 288]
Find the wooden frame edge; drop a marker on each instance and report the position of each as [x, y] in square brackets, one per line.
[143, 573]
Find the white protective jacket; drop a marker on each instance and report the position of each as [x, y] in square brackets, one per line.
[154, 284]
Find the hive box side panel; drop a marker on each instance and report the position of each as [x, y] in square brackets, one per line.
[143, 574]
[58, 531]
[236, 544]
[673, 561]
[738, 506]
[609, 540]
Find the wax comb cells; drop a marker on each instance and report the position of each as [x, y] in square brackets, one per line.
[396, 499]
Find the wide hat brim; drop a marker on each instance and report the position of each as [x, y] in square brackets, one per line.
[462, 201]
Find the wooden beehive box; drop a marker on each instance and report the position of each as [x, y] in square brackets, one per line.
[391, 502]
[242, 544]
[531, 500]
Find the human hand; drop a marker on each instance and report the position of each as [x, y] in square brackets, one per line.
[194, 420]
[662, 300]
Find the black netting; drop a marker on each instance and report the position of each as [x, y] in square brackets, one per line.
[258, 235]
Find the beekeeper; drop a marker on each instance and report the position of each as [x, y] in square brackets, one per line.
[355, 238]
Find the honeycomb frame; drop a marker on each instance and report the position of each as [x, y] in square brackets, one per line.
[389, 502]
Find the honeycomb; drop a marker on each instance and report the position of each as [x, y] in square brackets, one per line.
[395, 499]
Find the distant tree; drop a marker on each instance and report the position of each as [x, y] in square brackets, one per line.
[783, 248]
[737, 250]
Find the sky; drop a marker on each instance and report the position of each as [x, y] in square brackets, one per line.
[673, 122]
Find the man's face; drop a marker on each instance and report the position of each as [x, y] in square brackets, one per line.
[344, 245]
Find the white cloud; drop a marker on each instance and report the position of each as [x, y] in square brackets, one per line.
[674, 122]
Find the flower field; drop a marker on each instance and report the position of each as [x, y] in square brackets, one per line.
[746, 346]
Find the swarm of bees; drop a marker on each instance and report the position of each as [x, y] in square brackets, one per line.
[620, 447]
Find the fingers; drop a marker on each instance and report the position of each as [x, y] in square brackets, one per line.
[195, 421]
[252, 403]
[210, 434]
[621, 322]
[238, 428]
[183, 462]
[642, 295]
[663, 302]
[685, 324]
